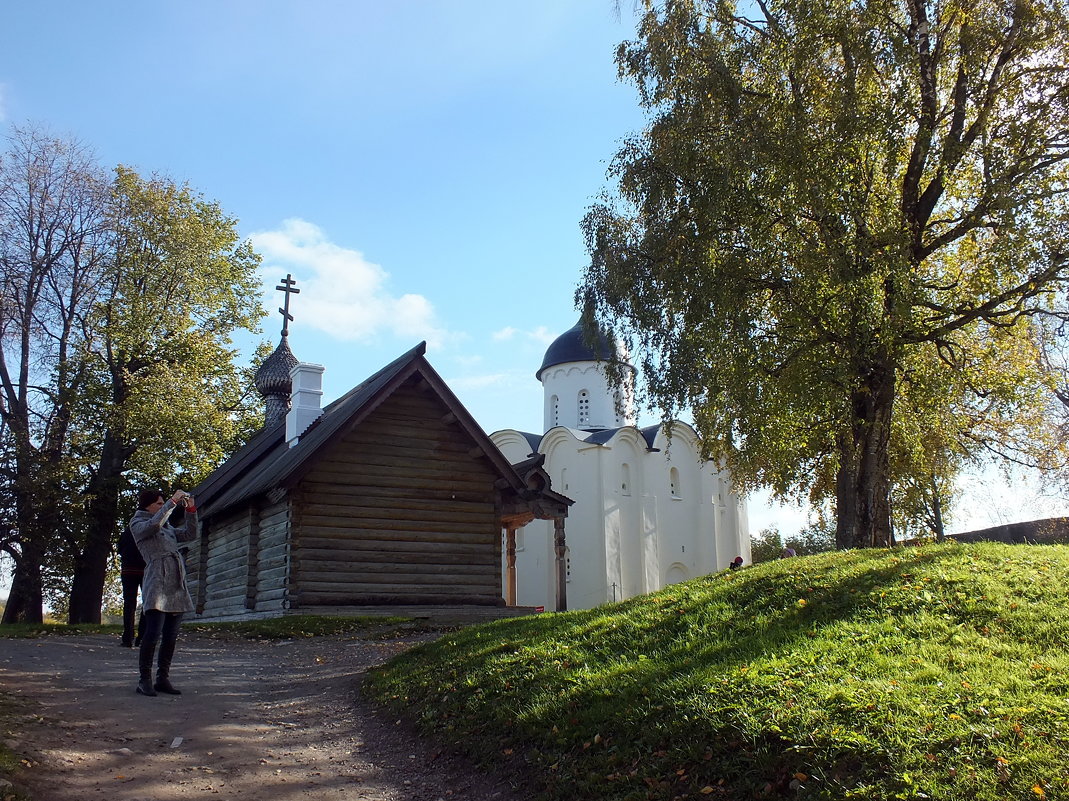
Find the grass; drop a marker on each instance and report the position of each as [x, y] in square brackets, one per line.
[298, 626]
[939, 672]
[280, 628]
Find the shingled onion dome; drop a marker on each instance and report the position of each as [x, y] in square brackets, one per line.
[274, 384]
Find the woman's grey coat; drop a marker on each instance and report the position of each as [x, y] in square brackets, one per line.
[164, 587]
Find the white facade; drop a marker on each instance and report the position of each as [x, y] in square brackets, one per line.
[578, 395]
[648, 510]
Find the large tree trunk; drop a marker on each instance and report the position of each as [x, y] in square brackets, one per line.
[863, 483]
[91, 564]
[25, 601]
[35, 512]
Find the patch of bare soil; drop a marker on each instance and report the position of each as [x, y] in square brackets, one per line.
[256, 721]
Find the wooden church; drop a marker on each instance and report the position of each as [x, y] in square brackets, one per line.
[390, 496]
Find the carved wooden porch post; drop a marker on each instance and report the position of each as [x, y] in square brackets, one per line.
[562, 575]
[510, 566]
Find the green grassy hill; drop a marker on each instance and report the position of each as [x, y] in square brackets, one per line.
[939, 672]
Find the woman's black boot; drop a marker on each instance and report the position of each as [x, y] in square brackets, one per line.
[163, 681]
[144, 664]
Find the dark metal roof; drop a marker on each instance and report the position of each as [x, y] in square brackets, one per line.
[263, 442]
[598, 436]
[267, 462]
[572, 346]
[532, 439]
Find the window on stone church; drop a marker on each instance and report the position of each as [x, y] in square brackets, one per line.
[625, 479]
[564, 479]
[556, 410]
[567, 564]
[673, 482]
[584, 407]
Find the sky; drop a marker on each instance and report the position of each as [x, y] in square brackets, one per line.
[420, 167]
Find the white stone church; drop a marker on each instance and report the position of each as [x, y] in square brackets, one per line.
[648, 512]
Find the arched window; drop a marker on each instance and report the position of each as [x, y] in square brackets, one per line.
[584, 407]
[625, 479]
[555, 401]
[673, 482]
[564, 479]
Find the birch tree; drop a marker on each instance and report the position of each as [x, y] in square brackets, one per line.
[837, 210]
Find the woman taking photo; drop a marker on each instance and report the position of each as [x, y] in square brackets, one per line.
[164, 597]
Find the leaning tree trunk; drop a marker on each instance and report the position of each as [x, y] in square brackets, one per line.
[91, 564]
[863, 483]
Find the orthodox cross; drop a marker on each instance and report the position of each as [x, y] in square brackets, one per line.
[289, 286]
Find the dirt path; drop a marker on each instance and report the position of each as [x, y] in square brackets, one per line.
[255, 722]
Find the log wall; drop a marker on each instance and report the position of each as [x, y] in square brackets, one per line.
[240, 563]
[401, 510]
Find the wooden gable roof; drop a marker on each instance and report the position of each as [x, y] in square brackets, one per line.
[267, 463]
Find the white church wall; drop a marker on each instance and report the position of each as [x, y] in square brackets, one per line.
[643, 517]
[577, 469]
[564, 385]
[692, 531]
[629, 526]
[624, 548]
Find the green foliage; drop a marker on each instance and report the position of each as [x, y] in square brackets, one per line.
[766, 545]
[834, 237]
[933, 672]
[180, 284]
[813, 539]
[118, 368]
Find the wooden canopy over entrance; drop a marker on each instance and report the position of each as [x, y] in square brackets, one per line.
[536, 502]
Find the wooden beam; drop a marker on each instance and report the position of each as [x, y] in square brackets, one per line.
[510, 569]
[562, 573]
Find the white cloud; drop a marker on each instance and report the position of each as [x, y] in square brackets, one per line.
[540, 335]
[342, 293]
[505, 334]
[482, 382]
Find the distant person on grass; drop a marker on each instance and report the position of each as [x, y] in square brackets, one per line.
[164, 597]
[132, 573]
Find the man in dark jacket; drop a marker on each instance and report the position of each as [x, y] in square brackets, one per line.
[132, 573]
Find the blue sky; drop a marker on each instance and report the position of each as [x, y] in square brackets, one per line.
[420, 166]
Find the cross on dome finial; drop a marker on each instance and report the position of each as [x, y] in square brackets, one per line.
[289, 286]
